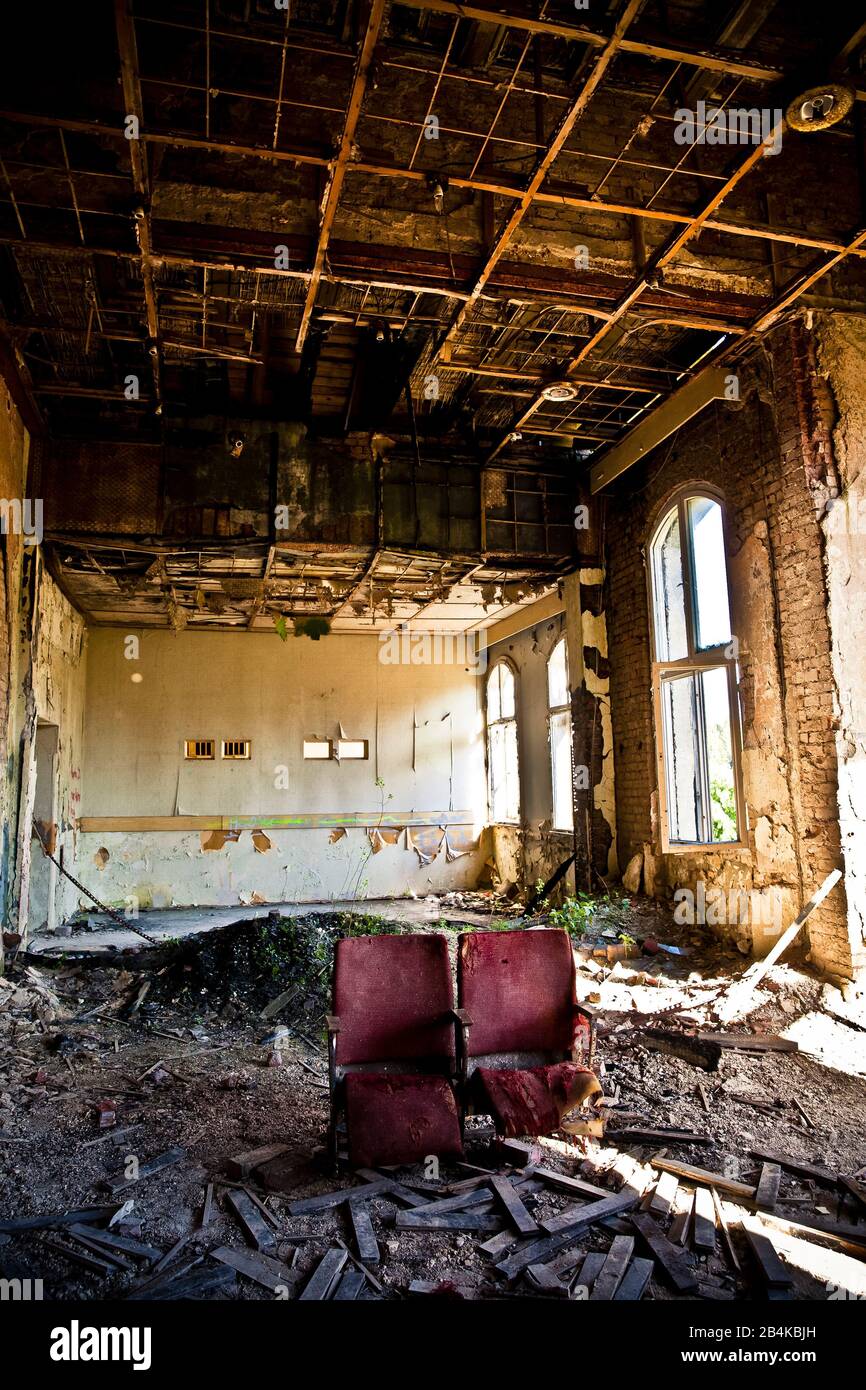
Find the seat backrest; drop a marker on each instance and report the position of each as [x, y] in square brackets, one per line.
[518, 988]
[392, 995]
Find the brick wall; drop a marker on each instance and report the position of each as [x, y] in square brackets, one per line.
[770, 455]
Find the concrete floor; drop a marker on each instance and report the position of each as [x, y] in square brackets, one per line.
[176, 922]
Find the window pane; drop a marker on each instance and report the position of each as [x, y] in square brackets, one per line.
[669, 608]
[712, 614]
[682, 758]
[504, 784]
[560, 761]
[720, 758]
[557, 677]
[494, 703]
[506, 677]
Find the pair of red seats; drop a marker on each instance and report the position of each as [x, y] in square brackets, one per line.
[405, 1065]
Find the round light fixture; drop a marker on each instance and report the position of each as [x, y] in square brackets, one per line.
[820, 107]
[559, 391]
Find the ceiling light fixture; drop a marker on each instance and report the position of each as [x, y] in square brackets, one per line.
[818, 108]
[559, 391]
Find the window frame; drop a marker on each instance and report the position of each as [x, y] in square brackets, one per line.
[491, 724]
[552, 710]
[693, 663]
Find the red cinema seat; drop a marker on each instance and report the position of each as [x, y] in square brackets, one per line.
[391, 1050]
[522, 1031]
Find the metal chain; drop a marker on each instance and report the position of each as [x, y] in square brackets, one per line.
[124, 921]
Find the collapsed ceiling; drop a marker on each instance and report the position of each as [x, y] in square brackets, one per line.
[463, 225]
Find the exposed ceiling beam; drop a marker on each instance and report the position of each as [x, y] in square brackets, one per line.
[642, 281]
[715, 60]
[330, 202]
[544, 164]
[138, 160]
[680, 406]
[554, 195]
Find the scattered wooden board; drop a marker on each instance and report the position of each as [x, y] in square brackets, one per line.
[637, 1276]
[590, 1268]
[117, 1242]
[772, 1270]
[663, 1198]
[308, 1206]
[520, 1218]
[243, 1164]
[350, 1285]
[704, 1176]
[613, 1270]
[147, 1170]
[447, 1221]
[660, 1136]
[540, 1251]
[258, 1232]
[365, 1236]
[767, 1193]
[325, 1276]
[271, 1274]
[704, 1221]
[824, 1176]
[751, 1042]
[672, 1260]
[689, 1049]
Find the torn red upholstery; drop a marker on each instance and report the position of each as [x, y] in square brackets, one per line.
[400, 1119]
[531, 1101]
[393, 997]
[518, 988]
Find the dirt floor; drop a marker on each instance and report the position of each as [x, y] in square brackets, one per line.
[170, 1049]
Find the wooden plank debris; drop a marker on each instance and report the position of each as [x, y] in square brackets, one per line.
[703, 1176]
[772, 1270]
[740, 994]
[94, 1264]
[678, 1233]
[193, 1284]
[443, 1288]
[725, 1230]
[208, 1208]
[824, 1176]
[270, 1273]
[325, 1276]
[704, 1221]
[449, 1221]
[350, 1285]
[660, 1136]
[519, 1217]
[258, 1232]
[689, 1049]
[613, 1270]
[664, 1195]
[767, 1193]
[117, 1242]
[57, 1218]
[590, 1267]
[672, 1260]
[751, 1042]
[308, 1206]
[854, 1189]
[540, 1251]
[147, 1170]
[242, 1165]
[577, 1217]
[365, 1236]
[578, 1187]
[637, 1277]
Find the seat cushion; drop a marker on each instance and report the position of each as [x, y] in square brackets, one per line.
[518, 988]
[400, 1119]
[530, 1101]
[393, 996]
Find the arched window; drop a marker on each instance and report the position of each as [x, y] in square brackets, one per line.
[502, 770]
[695, 677]
[559, 734]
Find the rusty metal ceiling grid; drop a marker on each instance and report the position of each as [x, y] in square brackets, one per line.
[324, 110]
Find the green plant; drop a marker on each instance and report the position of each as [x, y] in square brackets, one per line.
[575, 914]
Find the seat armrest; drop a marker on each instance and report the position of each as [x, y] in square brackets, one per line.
[462, 1017]
[332, 1023]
